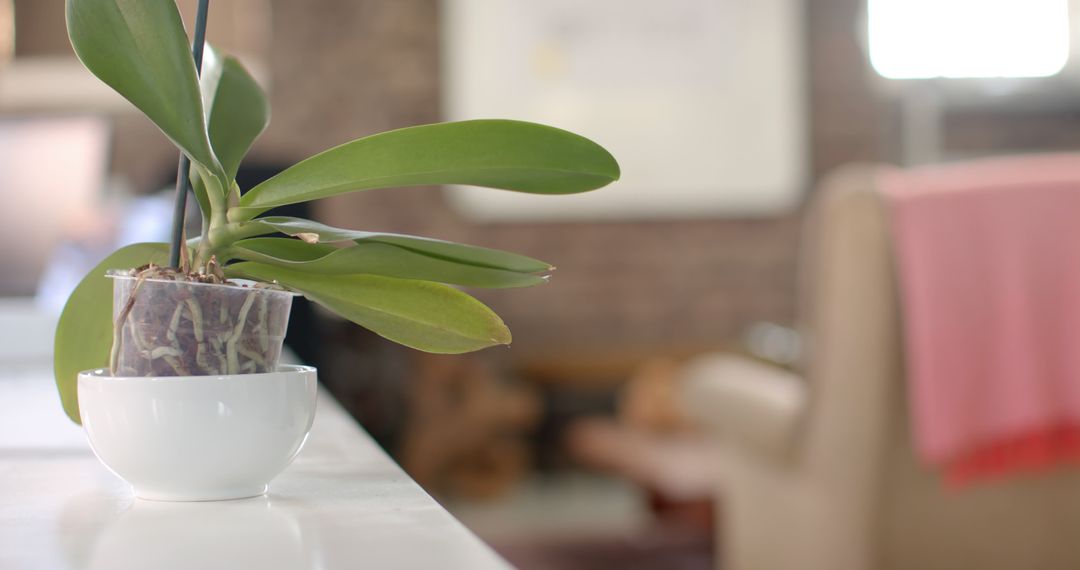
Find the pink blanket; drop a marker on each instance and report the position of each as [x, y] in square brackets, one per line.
[988, 257]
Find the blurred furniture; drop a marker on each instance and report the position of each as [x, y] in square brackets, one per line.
[817, 466]
[651, 443]
[466, 426]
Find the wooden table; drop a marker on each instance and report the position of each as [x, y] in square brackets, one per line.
[342, 504]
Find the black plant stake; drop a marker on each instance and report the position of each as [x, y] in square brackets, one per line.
[183, 170]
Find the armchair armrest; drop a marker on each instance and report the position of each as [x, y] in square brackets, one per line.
[751, 404]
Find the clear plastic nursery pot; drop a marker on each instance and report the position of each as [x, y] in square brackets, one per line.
[165, 327]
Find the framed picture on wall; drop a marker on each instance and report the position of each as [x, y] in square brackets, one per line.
[701, 101]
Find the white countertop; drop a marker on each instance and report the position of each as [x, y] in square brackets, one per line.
[342, 504]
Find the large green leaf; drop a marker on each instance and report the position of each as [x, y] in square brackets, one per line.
[447, 250]
[237, 110]
[280, 250]
[426, 316]
[511, 155]
[374, 258]
[84, 334]
[139, 48]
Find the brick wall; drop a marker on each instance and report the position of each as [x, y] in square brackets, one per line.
[851, 118]
[345, 68]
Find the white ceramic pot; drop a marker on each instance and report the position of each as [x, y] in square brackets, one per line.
[198, 438]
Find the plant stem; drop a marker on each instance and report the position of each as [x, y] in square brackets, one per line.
[215, 233]
[184, 168]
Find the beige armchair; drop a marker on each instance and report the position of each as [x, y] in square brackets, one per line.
[817, 467]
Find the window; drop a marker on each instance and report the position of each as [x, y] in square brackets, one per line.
[968, 38]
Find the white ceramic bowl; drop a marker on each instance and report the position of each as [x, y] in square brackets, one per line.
[198, 438]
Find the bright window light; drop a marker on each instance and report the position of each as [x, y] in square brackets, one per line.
[968, 38]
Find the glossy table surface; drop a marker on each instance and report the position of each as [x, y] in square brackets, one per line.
[342, 504]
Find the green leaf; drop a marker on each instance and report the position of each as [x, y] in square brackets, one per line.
[198, 187]
[237, 110]
[373, 258]
[447, 250]
[511, 155]
[84, 333]
[281, 250]
[426, 316]
[139, 48]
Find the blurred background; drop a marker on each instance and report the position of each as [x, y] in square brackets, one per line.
[572, 448]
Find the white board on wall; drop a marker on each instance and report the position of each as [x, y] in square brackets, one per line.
[701, 101]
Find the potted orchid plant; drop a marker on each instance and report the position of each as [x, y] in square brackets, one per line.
[194, 317]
